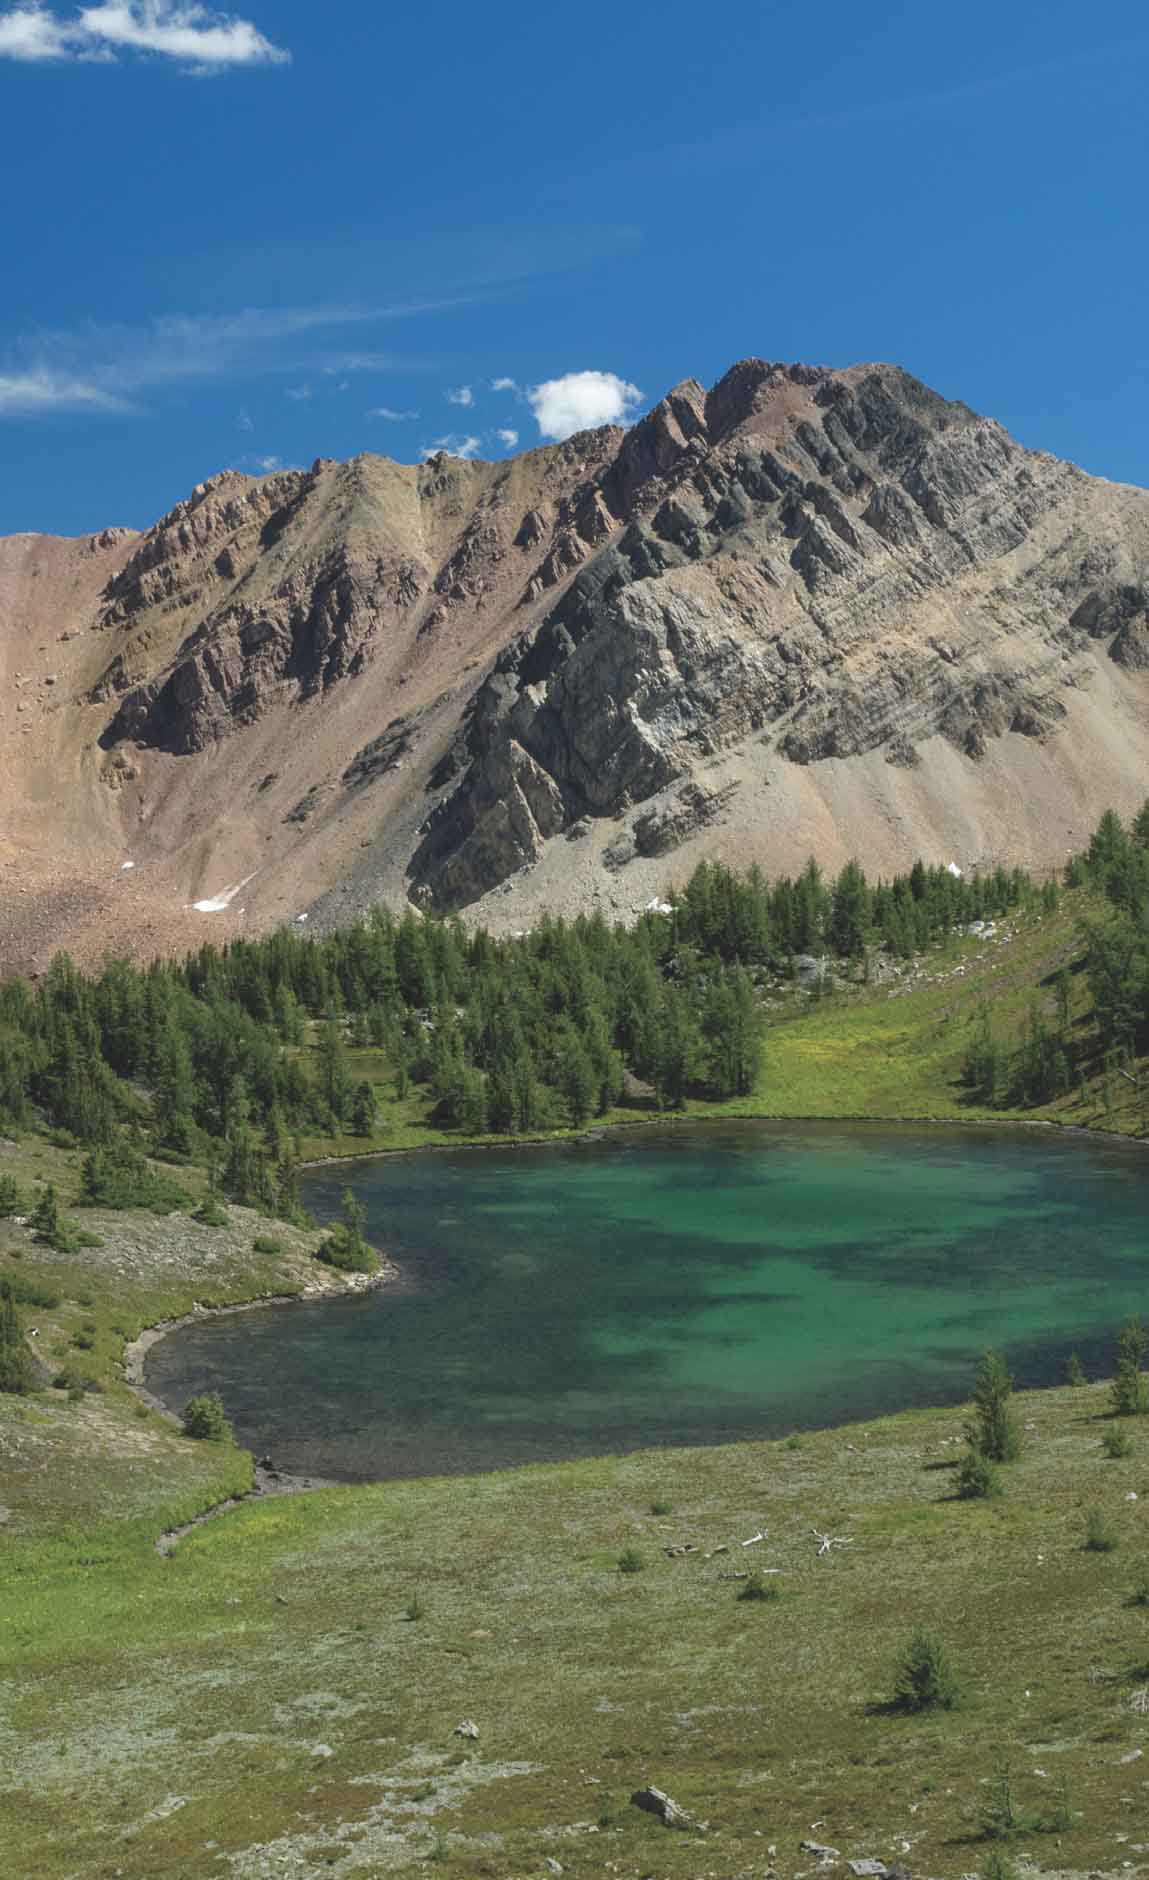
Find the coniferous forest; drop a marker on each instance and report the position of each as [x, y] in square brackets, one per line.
[204, 1060]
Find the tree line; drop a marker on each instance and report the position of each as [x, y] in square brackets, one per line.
[205, 1059]
[1052, 1054]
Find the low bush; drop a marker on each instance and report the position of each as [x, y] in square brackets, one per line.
[205, 1419]
[27, 1292]
[758, 1587]
[266, 1243]
[630, 1561]
[1100, 1537]
[211, 1213]
[1117, 1442]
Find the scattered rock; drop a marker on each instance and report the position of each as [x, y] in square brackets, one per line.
[468, 1729]
[657, 1802]
[819, 1850]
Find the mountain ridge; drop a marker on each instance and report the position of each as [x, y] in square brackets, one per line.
[808, 610]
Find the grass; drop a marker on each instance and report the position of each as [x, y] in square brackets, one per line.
[261, 1700]
[279, 1633]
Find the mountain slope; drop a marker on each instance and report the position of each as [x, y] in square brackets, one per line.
[809, 610]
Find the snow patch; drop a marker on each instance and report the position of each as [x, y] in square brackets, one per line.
[220, 902]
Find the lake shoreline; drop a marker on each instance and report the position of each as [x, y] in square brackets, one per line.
[673, 1119]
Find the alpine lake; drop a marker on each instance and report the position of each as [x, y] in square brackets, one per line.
[686, 1284]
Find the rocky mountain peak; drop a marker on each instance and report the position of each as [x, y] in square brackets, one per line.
[810, 608]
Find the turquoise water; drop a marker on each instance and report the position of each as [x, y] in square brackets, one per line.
[685, 1285]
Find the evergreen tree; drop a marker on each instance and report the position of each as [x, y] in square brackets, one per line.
[16, 1371]
[994, 1433]
[363, 1110]
[46, 1217]
[1129, 1392]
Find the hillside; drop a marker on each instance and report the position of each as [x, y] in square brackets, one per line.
[808, 611]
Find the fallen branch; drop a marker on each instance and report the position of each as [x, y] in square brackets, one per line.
[827, 1541]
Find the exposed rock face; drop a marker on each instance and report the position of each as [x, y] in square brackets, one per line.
[806, 610]
[835, 561]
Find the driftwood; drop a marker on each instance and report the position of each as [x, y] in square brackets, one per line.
[827, 1541]
[675, 1553]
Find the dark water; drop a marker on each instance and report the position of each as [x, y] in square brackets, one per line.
[687, 1286]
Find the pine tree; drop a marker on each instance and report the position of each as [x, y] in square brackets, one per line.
[363, 1110]
[925, 1679]
[994, 1432]
[16, 1373]
[1129, 1392]
[46, 1217]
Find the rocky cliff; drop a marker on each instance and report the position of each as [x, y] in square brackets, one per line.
[808, 610]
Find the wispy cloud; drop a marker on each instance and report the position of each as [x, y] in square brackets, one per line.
[454, 444]
[198, 39]
[300, 393]
[504, 385]
[462, 395]
[245, 421]
[264, 464]
[110, 368]
[39, 393]
[392, 417]
[508, 437]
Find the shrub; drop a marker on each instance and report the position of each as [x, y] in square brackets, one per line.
[630, 1561]
[1129, 1391]
[1073, 1372]
[1100, 1538]
[662, 1507]
[757, 1587]
[1001, 1818]
[83, 1341]
[977, 1478]
[266, 1243]
[926, 1680]
[27, 1292]
[345, 1246]
[998, 1866]
[414, 1609]
[205, 1419]
[1140, 1593]
[212, 1213]
[9, 1196]
[1117, 1442]
[119, 1176]
[70, 1379]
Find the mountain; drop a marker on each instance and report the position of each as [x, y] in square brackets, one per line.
[807, 611]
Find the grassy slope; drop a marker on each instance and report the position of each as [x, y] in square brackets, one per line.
[132, 1683]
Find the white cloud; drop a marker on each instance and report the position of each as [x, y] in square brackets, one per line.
[268, 463]
[454, 444]
[36, 393]
[504, 385]
[104, 368]
[462, 395]
[301, 393]
[508, 437]
[392, 417]
[200, 40]
[579, 401]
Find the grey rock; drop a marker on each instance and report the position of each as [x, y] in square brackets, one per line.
[657, 1802]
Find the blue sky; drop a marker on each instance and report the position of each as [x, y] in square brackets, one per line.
[243, 238]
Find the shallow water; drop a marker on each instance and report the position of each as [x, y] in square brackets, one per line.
[684, 1285]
